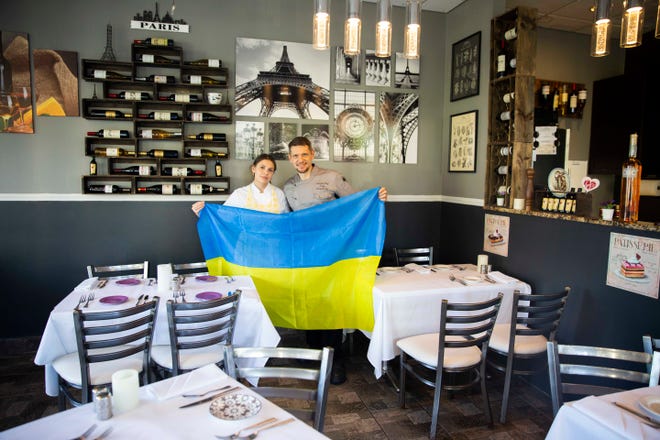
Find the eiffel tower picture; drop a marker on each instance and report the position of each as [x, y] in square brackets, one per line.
[108, 54]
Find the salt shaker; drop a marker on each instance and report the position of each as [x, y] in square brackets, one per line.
[102, 403]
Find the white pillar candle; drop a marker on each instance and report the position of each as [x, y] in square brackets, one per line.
[519, 204]
[164, 277]
[482, 260]
[125, 389]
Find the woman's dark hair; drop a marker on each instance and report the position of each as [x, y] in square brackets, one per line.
[265, 156]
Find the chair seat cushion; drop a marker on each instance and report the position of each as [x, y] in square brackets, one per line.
[499, 341]
[188, 359]
[424, 348]
[68, 368]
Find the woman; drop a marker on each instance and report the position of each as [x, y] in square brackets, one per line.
[260, 195]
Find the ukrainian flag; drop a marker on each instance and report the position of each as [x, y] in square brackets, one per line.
[314, 268]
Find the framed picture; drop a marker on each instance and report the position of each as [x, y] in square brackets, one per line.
[465, 57]
[463, 142]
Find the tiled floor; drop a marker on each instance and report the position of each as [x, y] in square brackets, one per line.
[361, 408]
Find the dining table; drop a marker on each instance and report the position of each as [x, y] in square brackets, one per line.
[253, 325]
[599, 417]
[407, 300]
[158, 414]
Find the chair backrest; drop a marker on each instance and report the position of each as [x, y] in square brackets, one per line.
[198, 268]
[235, 364]
[650, 344]
[420, 255]
[387, 258]
[115, 334]
[119, 270]
[201, 324]
[585, 364]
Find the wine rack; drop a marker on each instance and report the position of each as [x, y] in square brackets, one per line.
[511, 124]
[156, 83]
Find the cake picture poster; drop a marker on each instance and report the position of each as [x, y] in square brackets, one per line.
[634, 264]
[496, 234]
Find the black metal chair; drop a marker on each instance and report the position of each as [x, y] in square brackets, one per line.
[198, 333]
[291, 368]
[119, 270]
[107, 342]
[197, 268]
[650, 344]
[420, 255]
[458, 349]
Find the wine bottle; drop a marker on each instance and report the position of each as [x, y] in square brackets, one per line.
[545, 101]
[155, 133]
[5, 71]
[200, 188]
[112, 114]
[218, 168]
[506, 115]
[573, 101]
[209, 62]
[561, 205]
[563, 101]
[180, 97]
[570, 201]
[199, 79]
[165, 188]
[107, 189]
[93, 169]
[108, 74]
[206, 117]
[159, 79]
[160, 116]
[169, 154]
[136, 170]
[111, 134]
[500, 66]
[631, 180]
[208, 136]
[511, 34]
[200, 152]
[182, 171]
[508, 97]
[544, 201]
[151, 41]
[133, 96]
[582, 101]
[112, 152]
[154, 59]
[555, 102]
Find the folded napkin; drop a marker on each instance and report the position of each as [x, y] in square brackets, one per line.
[605, 413]
[417, 268]
[502, 278]
[87, 284]
[201, 379]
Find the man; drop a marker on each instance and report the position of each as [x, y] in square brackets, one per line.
[311, 186]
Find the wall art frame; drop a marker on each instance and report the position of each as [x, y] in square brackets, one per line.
[463, 142]
[465, 67]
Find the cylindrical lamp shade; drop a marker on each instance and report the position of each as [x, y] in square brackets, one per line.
[632, 23]
[413, 31]
[352, 28]
[321, 32]
[657, 23]
[384, 28]
[601, 30]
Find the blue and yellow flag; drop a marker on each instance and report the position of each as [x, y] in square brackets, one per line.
[314, 268]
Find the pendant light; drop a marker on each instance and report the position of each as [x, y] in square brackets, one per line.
[601, 29]
[384, 29]
[352, 28]
[632, 23]
[657, 23]
[321, 32]
[412, 34]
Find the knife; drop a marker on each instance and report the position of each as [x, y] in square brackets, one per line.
[102, 283]
[208, 399]
[139, 299]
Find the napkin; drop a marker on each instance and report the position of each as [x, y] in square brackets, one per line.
[200, 379]
[502, 278]
[607, 414]
[87, 284]
[417, 268]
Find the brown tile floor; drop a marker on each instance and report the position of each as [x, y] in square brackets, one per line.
[361, 408]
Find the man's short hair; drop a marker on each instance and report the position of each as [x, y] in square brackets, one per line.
[300, 141]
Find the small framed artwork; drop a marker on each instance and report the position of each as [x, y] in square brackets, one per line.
[463, 142]
[465, 58]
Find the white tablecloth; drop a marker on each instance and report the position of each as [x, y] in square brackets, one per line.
[598, 418]
[163, 420]
[408, 303]
[253, 326]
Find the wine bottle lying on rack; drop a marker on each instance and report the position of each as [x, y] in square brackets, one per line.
[182, 171]
[108, 74]
[155, 133]
[111, 134]
[200, 152]
[151, 41]
[169, 154]
[112, 152]
[202, 116]
[200, 188]
[160, 116]
[159, 79]
[208, 136]
[113, 114]
[154, 59]
[180, 97]
[107, 189]
[209, 62]
[165, 188]
[199, 79]
[133, 96]
[136, 170]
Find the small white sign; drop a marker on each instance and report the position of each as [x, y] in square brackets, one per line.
[158, 26]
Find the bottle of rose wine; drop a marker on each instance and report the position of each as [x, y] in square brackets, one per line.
[631, 180]
[154, 59]
[133, 96]
[209, 62]
[208, 136]
[113, 114]
[182, 171]
[112, 152]
[169, 154]
[180, 97]
[106, 133]
[136, 170]
[159, 79]
[107, 189]
[151, 41]
[206, 117]
[165, 188]
[160, 116]
[155, 133]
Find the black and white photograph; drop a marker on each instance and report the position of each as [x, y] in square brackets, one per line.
[465, 60]
[281, 79]
[249, 139]
[347, 68]
[319, 136]
[406, 72]
[398, 128]
[463, 142]
[377, 71]
[355, 121]
[279, 136]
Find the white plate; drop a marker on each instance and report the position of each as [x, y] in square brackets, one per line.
[559, 182]
[651, 406]
[235, 406]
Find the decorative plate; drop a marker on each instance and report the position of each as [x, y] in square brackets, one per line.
[206, 296]
[128, 281]
[235, 406]
[651, 406]
[206, 278]
[559, 182]
[114, 299]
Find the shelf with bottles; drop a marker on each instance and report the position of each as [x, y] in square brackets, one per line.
[208, 113]
[121, 91]
[574, 203]
[132, 167]
[183, 167]
[156, 56]
[110, 147]
[159, 111]
[206, 185]
[180, 93]
[555, 99]
[99, 71]
[206, 149]
[156, 130]
[107, 185]
[204, 75]
[105, 109]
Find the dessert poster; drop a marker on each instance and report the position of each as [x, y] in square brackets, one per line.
[496, 234]
[634, 264]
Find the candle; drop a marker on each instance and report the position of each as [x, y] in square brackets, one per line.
[164, 277]
[482, 260]
[125, 386]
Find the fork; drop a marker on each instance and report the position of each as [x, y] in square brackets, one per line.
[90, 297]
[256, 433]
[235, 435]
[85, 434]
[81, 300]
[183, 295]
[175, 295]
[204, 394]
